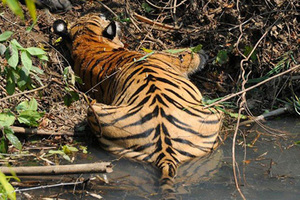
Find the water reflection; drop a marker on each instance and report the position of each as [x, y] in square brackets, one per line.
[271, 171]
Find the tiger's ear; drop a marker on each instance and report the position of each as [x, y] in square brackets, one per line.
[110, 31]
[60, 28]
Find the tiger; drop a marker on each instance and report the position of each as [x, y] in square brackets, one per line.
[147, 109]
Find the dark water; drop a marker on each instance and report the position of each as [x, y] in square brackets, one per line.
[271, 170]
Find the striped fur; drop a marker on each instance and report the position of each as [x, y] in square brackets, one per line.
[147, 109]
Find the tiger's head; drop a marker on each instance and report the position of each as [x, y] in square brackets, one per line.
[92, 25]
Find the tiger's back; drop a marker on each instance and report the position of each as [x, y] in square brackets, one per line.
[147, 109]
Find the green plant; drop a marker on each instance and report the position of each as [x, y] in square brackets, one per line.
[66, 151]
[15, 7]
[19, 68]
[222, 57]
[6, 189]
[70, 80]
[27, 114]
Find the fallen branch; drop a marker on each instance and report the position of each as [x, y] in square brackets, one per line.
[272, 113]
[37, 131]
[103, 167]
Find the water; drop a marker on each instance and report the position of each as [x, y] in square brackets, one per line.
[270, 171]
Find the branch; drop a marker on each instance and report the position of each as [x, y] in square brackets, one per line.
[37, 131]
[272, 113]
[103, 167]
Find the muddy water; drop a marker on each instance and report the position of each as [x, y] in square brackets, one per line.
[271, 170]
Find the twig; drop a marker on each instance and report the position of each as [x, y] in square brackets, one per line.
[103, 167]
[37, 131]
[273, 113]
[169, 8]
[252, 87]
[155, 24]
[51, 186]
[26, 92]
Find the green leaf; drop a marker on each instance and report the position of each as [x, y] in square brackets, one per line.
[2, 49]
[10, 82]
[33, 105]
[3, 145]
[84, 149]
[14, 140]
[75, 96]
[222, 57]
[31, 8]
[43, 57]
[35, 51]
[30, 117]
[146, 7]
[68, 149]
[15, 7]
[12, 55]
[22, 106]
[7, 119]
[37, 70]
[248, 50]
[60, 152]
[4, 36]
[10, 87]
[17, 44]
[8, 130]
[68, 100]
[8, 188]
[175, 51]
[23, 79]
[25, 105]
[197, 48]
[26, 60]
[78, 79]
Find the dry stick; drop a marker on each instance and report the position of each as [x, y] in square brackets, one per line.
[252, 87]
[160, 26]
[49, 186]
[103, 167]
[37, 131]
[272, 113]
[26, 92]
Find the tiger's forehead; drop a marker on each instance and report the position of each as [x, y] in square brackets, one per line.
[98, 20]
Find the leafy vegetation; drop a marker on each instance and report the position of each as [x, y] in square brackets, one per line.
[15, 7]
[70, 80]
[6, 189]
[27, 114]
[18, 71]
[67, 151]
[19, 68]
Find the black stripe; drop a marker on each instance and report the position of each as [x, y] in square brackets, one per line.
[142, 103]
[159, 99]
[141, 121]
[141, 88]
[143, 147]
[173, 119]
[187, 142]
[152, 89]
[185, 153]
